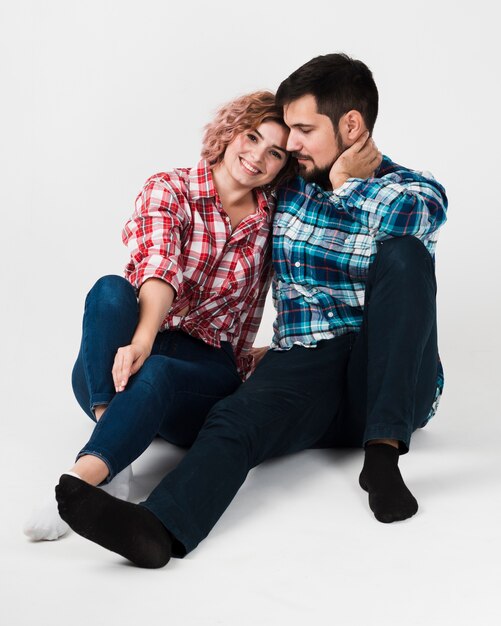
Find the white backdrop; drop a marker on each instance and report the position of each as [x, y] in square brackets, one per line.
[99, 95]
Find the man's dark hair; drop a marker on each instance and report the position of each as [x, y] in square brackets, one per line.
[338, 83]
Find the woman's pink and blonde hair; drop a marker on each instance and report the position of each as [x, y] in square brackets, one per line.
[241, 115]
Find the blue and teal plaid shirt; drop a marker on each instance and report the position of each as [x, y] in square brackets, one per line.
[325, 241]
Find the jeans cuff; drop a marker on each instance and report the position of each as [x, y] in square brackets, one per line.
[182, 543]
[387, 431]
[97, 399]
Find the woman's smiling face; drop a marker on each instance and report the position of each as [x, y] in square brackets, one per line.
[255, 157]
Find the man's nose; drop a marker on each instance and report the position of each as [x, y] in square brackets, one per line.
[293, 144]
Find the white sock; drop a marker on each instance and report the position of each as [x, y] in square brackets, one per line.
[74, 474]
[44, 522]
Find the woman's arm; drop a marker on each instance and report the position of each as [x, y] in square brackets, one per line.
[153, 237]
[155, 299]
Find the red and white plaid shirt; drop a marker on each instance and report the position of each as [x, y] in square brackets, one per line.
[179, 232]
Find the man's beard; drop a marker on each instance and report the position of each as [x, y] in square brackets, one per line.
[318, 175]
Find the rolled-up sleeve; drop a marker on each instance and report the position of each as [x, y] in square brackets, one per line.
[153, 235]
[404, 202]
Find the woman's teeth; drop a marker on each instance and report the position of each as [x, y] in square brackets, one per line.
[248, 166]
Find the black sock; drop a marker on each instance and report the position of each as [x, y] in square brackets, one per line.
[128, 529]
[389, 498]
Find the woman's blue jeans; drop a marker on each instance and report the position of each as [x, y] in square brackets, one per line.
[171, 394]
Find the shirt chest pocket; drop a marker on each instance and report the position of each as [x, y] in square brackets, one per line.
[244, 266]
[314, 254]
[233, 278]
[330, 240]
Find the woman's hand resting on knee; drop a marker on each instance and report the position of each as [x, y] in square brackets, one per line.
[128, 361]
[155, 300]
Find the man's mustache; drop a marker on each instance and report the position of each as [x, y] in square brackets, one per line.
[298, 155]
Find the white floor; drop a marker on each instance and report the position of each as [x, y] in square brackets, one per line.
[297, 545]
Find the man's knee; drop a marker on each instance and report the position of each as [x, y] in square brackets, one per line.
[404, 255]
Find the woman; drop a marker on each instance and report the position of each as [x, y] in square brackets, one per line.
[165, 343]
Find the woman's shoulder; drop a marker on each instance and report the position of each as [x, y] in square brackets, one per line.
[172, 188]
[187, 182]
[175, 180]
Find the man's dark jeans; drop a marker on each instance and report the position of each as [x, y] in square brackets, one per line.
[378, 383]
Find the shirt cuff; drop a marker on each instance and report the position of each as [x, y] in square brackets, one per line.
[343, 190]
[172, 277]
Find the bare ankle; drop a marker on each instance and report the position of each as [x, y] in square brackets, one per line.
[99, 410]
[390, 442]
[91, 469]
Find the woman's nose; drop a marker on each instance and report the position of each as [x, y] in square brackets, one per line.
[257, 154]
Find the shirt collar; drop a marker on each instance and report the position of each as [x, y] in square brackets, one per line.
[201, 181]
[202, 186]
[265, 201]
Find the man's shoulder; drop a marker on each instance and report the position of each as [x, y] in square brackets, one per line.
[390, 167]
[399, 173]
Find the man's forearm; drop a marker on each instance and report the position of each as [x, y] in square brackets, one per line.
[408, 207]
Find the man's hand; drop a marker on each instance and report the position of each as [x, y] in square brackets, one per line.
[358, 161]
[128, 361]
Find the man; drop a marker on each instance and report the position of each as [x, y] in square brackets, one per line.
[354, 359]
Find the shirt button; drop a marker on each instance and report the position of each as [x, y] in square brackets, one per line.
[319, 196]
[330, 314]
[297, 264]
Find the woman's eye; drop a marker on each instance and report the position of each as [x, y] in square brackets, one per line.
[276, 154]
[252, 137]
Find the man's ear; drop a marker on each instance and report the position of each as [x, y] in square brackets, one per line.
[351, 126]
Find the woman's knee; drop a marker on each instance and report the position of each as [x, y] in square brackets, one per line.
[112, 291]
